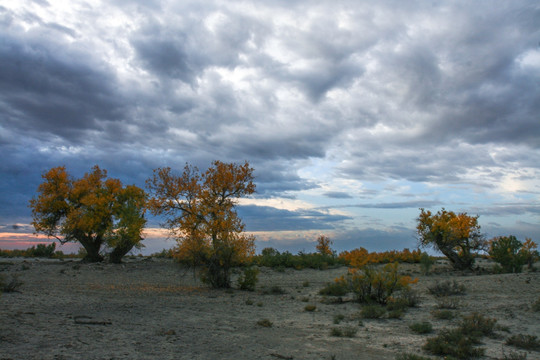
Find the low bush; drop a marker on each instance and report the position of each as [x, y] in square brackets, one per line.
[526, 342]
[377, 285]
[248, 279]
[271, 257]
[423, 327]
[374, 311]
[10, 286]
[310, 307]
[338, 318]
[536, 306]
[426, 262]
[407, 356]
[347, 331]
[476, 326]
[454, 343]
[443, 314]
[514, 356]
[447, 302]
[339, 287]
[447, 288]
[265, 323]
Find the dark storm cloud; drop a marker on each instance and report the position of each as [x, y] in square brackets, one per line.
[444, 94]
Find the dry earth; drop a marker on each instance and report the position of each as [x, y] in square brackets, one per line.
[151, 309]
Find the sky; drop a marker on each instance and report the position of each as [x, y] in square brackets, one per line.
[354, 114]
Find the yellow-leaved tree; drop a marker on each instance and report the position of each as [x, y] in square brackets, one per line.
[457, 236]
[199, 209]
[95, 211]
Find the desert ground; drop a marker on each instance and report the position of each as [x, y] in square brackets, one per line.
[149, 308]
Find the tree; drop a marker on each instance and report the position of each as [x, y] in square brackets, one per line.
[457, 236]
[95, 211]
[323, 245]
[200, 213]
[507, 251]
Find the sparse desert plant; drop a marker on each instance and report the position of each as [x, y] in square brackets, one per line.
[377, 285]
[408, 356]
[514, 356]
[395, 314]
[426, 262]
[347, 331]
[265, 323]
[447, 288]
[447, 302]
[454, 343]
[248, 278]
[477, 325]
[249, 302]
[409, 297]
[526, 342]
[536, 306]
[310, 307]
[339, 287]
[457, 236]
[11, 286]
[373, 311]
[305, 284]
[443, 314]
[423, 327]
[506, 250]
[275, 290]
[338, 318]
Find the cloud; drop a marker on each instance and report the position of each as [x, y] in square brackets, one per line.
[266, 218]
[321, 98]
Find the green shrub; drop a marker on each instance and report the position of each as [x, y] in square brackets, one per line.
[272, 258]
[526, 342]
[396, 314]
[11, 286]
[377, 285]
[265, 323]
[514, 356]
[443, 314]
[248, 279]
[310, 307]
[447, 288]
[337, 288]
[447, 302]
[476, 325]
[423, 327]
[426, 262]
[536, 306]
[407, 356]
[374, 311]
[338, 318]
[505, 250]
[454, 343]
[275, 290]
[347, 331]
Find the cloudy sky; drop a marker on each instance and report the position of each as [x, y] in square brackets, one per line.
[354, 114]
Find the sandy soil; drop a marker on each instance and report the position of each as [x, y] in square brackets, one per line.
[152, 309]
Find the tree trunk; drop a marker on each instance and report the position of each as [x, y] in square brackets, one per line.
[458, 262]
[92, 247]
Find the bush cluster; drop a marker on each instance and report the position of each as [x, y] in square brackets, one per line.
[248, 279]
[460, 342]
[447, 288]
[40, 250]
[361, 257]
[271, 257]
[512, 254]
